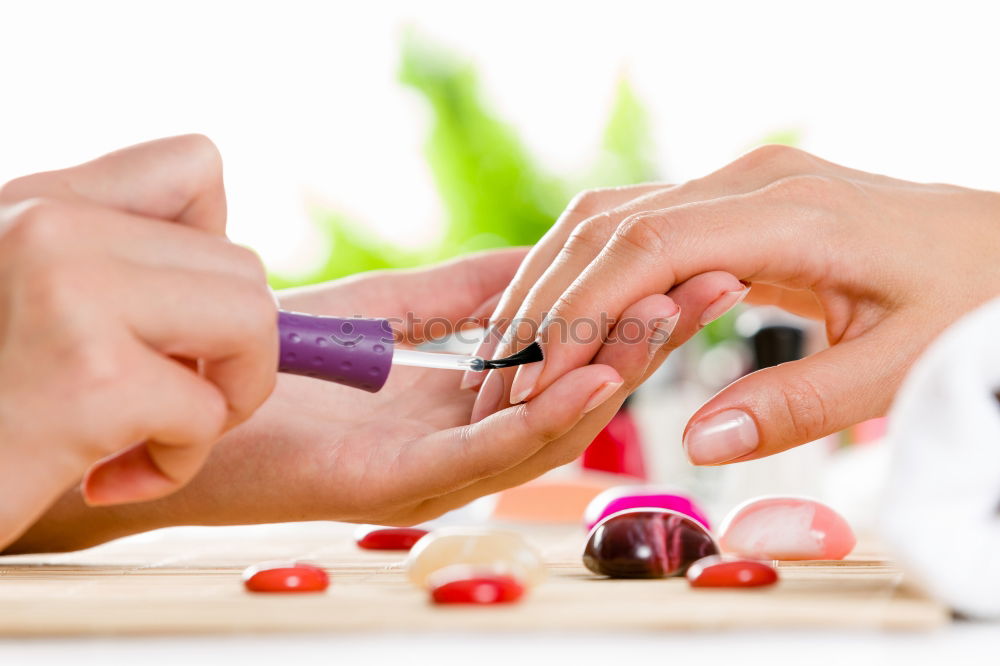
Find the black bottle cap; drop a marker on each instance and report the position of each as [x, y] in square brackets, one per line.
[777, 344]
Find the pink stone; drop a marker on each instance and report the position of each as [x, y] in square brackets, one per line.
[285, 577]
[373, 537]
[620, 498]
[786, 528]
[720, 571]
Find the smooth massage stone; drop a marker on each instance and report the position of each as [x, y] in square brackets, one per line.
[718, 571]
[621, 498]
[496, 551]
[460, 584]
[373, 537]
[285, 577]
[647, 543]
[786, 528]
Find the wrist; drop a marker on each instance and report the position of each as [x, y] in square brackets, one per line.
[70, 524]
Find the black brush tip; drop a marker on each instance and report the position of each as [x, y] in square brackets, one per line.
[530, 354]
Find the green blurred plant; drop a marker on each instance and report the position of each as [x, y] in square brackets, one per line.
[494, 192]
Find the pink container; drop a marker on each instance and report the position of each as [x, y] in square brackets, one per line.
[621, 498]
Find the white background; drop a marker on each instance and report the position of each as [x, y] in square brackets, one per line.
[303, 100]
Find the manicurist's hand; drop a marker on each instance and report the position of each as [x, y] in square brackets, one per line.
[320, 451]
[885, 264]
[133, 333]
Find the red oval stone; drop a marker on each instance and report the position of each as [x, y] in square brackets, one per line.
[483, 589]
[388, 538]
[285, 577]
[717, 571]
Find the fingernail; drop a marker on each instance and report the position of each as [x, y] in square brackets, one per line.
[722, 437]
[722, 305]
[524, 381]
[486, 349]
[662, 329]
[489, 397]
[605, 391]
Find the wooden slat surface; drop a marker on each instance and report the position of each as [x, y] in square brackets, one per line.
[187, 581]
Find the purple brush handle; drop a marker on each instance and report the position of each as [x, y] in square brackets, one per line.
[349, 351]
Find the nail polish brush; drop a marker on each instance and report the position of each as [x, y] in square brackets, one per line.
[360, 352]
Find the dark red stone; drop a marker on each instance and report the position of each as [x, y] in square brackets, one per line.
[647, 543]
[285, 577]
[483, 589]
[390, 538]
[716, 571]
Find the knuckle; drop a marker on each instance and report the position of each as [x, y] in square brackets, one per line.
[768, 157]
[53, 291]
[93, 370]
[587, 202]
[37, 224]
[591, 235]
[202, 148]
[646, 232]
[808, 187]
[805, 407]
[16, 189]
[249, 263]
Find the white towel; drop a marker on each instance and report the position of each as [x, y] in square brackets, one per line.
[941, 516]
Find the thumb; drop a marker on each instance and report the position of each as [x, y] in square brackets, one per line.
[778, 408]
[178, 178]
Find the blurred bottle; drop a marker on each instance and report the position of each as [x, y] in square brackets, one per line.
[775, 337]
[617, 449]
[663, 405]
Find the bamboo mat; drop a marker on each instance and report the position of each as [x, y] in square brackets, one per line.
[187, 581]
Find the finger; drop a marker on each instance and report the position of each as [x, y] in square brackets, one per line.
[420, 303]
[801, 302]
[794, 403]
[767, 235]
[227, 323]
[582, 243]
[634, 352]
[701, 300]
[629, 349]
[175, 417]
[753, 171]
[584, 205]
[639, 343]
[67, 228]
[670, 321]
[177, 178]
[504, 439]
